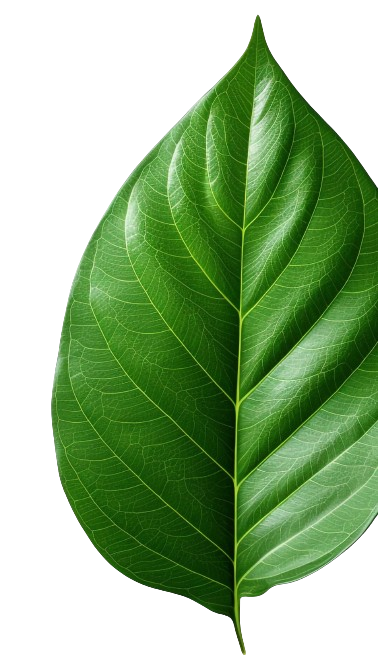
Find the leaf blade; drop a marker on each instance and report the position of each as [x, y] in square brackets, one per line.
[198, 450]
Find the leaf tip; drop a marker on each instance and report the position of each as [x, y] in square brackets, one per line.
[257, 33]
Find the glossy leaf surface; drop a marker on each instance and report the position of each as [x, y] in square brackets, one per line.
[215, 402]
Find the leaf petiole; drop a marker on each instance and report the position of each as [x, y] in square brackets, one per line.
[236, 621]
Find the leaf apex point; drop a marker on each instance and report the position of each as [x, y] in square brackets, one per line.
[257, 30]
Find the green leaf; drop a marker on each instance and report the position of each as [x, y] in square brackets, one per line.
[215, 401]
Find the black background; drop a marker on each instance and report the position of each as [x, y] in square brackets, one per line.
[120, 84]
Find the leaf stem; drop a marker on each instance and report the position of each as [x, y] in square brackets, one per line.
[237, 624]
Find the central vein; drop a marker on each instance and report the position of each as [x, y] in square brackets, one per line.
[238, 397]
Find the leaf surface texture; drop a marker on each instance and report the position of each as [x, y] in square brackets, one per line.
[215, 402]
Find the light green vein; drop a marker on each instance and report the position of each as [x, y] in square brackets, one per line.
[282, 172]
[155, 403]
[211, 580]
[186, 245]
[307, 419]
[302, 484]
[133, 472]
[299, 244]
[238, 379]
[317, 321]
[303, 530]
[171, 329]
[208, 175]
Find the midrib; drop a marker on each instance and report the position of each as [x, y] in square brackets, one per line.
[237, 398]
